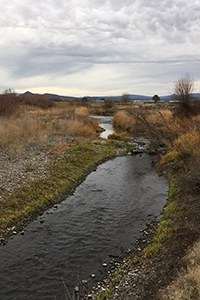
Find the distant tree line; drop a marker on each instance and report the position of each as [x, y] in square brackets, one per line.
[10, 100]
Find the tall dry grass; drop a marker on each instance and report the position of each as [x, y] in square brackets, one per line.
[21, 130]
[158, 124]
[187, 284]
[38, 126]
[184, 153]
[122, 121]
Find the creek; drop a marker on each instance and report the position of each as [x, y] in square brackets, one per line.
[72, 240]
[105, 122]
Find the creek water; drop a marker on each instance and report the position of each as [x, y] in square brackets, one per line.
[106, 123]
[74, 239]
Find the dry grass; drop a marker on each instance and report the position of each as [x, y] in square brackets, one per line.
[184, 159]
[82, 111]
[37, 126]
[189, 143]
[148, 121]
[184, 153]
[21, 130]
[187, 284]
[73, 128]
[122, 121]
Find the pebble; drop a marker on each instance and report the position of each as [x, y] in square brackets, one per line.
[20, 169]
[76, 289]
[104, 265]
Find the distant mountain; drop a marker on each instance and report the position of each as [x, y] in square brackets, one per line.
[132, 97]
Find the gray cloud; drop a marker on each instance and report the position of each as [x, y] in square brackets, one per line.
[66, 38]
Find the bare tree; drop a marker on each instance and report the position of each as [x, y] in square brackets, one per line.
[125, 98]
[8, 103]
[182, 93]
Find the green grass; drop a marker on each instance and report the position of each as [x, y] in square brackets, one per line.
[133, 261]
[79, 160]
[104, 294]
[166, 226]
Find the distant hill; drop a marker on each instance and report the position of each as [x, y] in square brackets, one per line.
[196, 95]
[132, 97]
[54, 97]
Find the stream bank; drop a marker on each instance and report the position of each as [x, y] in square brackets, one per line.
[27, 202]
[158, 257]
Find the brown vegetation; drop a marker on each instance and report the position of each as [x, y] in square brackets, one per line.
[187, 106]
[37, 126]
[37, 100]
[122, 121]
[105, 108]
[179, 135]
[8, 103]
[187, 285]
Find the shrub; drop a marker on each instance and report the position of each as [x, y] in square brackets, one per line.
[123, 121]
[188, 144]
[41, 101]
[81, 111]
[8, 103]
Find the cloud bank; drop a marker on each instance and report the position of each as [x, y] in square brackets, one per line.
[98, 47]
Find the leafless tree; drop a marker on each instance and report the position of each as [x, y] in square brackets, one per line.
[125, 98]
[8, 103]
[183, 94]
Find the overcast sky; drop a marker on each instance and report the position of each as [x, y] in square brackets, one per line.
[98, 47]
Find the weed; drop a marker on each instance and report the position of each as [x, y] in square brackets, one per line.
[133, 261]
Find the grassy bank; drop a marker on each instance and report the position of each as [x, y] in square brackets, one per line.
[161, 258]
[65, 174]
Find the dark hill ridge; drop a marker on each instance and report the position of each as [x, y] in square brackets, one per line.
[132, 97]
[50, 96]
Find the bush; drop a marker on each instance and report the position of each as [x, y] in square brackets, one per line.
[41, 101]
[123, 121]
[8, 103]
